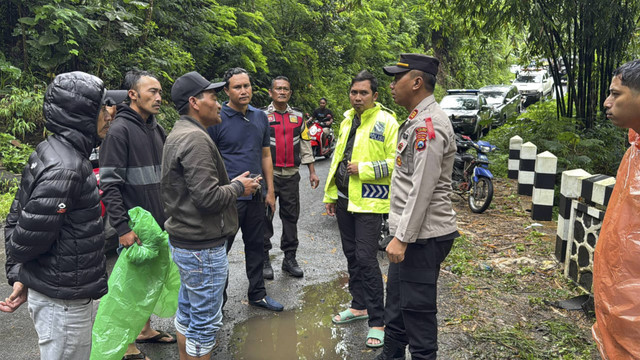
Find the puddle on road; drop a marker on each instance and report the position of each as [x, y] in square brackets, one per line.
[304, 333]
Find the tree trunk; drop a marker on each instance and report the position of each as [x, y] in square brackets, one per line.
[25, 53]
[147, 21]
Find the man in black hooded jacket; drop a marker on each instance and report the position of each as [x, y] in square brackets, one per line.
[130, 172]
[54, 232]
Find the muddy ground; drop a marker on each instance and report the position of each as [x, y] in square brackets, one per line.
[496, 283]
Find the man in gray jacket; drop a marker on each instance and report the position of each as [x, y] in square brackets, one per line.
[200, 205]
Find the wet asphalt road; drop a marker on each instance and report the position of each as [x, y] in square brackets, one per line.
[309, 301]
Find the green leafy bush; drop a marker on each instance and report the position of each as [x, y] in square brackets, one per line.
[6, 198]
[597, 150]
[8, 72]
[167, 116]
[13, 158]
[21, 112]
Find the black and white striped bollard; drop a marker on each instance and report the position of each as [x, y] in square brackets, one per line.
[527, 168]
[515, 144]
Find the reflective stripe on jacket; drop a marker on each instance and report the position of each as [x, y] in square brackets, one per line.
[374, 150]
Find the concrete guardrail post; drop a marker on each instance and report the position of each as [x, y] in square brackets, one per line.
[527, 168]
[515, 144]
[570, 188]
[597, 189]
[544, 182]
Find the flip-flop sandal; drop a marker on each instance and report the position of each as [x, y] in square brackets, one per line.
[347, 317]
[157, 339]
[375, 334]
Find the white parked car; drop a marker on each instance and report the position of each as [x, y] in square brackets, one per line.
[534, 85]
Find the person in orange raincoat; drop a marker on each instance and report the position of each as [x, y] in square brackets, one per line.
[616, 266]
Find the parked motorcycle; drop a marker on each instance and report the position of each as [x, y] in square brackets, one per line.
[471, 177]
[321, 145]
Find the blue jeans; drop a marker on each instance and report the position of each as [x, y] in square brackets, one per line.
[63, 326]
[203, 274]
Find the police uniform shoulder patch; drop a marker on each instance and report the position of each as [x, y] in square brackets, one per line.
[413, 114]
[421, 138]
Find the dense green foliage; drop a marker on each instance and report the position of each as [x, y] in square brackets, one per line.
[597, 150]
[319, 44]
[12, 157]
[21, 112]
[591, 38]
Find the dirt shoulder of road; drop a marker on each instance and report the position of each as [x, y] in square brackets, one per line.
[496, 284]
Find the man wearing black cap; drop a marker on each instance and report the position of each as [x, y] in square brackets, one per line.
[53, 236]
[421, 217]
[200, 205]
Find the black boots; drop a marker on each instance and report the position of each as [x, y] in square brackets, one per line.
[267, 270]
[290, 265]
[392, 350]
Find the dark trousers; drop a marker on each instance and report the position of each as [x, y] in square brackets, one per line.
[359, 233]
[251, 220]
[410, 310]
[287, 190]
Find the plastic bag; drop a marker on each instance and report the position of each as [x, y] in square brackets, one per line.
[144, 280]
[616, 265]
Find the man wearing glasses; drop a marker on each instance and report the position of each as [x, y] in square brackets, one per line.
[290, 147]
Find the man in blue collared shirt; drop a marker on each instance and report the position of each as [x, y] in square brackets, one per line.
[243, 141]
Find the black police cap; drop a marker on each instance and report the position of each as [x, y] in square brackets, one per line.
[407, 62]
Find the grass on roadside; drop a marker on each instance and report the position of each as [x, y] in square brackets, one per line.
[530, 329]
[6, 198]
[549, 339]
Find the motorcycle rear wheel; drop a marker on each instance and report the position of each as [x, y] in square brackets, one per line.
[480, 195]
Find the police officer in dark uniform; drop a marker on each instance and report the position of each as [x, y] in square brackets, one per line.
[421, 217]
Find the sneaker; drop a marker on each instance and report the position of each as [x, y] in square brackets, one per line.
[290, 265]
[267, 270]
[267, 303]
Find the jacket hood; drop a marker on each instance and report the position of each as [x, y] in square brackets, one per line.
[71, 107]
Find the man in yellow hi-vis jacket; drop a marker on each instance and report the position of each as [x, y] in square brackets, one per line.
[357, 191]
